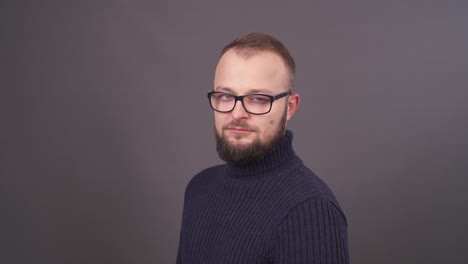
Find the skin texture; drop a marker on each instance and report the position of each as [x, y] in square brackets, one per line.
[242, 136]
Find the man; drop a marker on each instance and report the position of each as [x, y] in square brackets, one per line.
[263, 205]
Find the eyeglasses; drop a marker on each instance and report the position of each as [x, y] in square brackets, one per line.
[257, 104]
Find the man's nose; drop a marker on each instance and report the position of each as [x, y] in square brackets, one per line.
[239, 112]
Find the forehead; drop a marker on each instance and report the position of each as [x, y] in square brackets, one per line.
[262, 71]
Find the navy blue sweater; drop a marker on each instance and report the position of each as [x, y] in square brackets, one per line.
[275, 210]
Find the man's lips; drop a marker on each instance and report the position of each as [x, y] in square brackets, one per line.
[239, 129]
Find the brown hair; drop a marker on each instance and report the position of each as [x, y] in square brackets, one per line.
[251, 43]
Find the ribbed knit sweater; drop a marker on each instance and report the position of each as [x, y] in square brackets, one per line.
[275, 210]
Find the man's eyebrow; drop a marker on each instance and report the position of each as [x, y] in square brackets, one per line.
[223, 89]
[259, 91]
[251, 91]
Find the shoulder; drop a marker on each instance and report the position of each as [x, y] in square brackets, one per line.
[311, 180]
[308, 197]
[205, 177]
[302, 184]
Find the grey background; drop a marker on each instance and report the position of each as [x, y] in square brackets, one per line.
[104, 120]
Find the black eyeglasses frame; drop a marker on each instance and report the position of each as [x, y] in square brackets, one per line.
[241, 98]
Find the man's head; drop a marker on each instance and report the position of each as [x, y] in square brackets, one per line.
[253, 64]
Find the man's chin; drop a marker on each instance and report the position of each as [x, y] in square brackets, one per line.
[239, 145]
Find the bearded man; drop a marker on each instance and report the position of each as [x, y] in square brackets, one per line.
[263, 205]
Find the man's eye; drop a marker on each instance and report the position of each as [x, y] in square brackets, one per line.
[224, 96]
[259, 99]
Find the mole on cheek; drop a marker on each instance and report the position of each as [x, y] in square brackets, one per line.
[272, 122]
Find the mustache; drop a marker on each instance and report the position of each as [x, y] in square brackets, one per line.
[239, 124]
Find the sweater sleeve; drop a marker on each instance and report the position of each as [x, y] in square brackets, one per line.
[315, 231]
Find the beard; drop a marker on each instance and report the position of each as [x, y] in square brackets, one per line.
[254, 151]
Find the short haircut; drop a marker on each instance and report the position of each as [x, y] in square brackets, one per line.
[252, 43]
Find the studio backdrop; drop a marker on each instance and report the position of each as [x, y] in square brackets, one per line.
[104, 120]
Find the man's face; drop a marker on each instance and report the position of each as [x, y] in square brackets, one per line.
[242, 136]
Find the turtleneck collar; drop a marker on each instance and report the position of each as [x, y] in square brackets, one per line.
[279, 154]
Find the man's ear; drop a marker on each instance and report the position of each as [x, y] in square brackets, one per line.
[293, 104]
